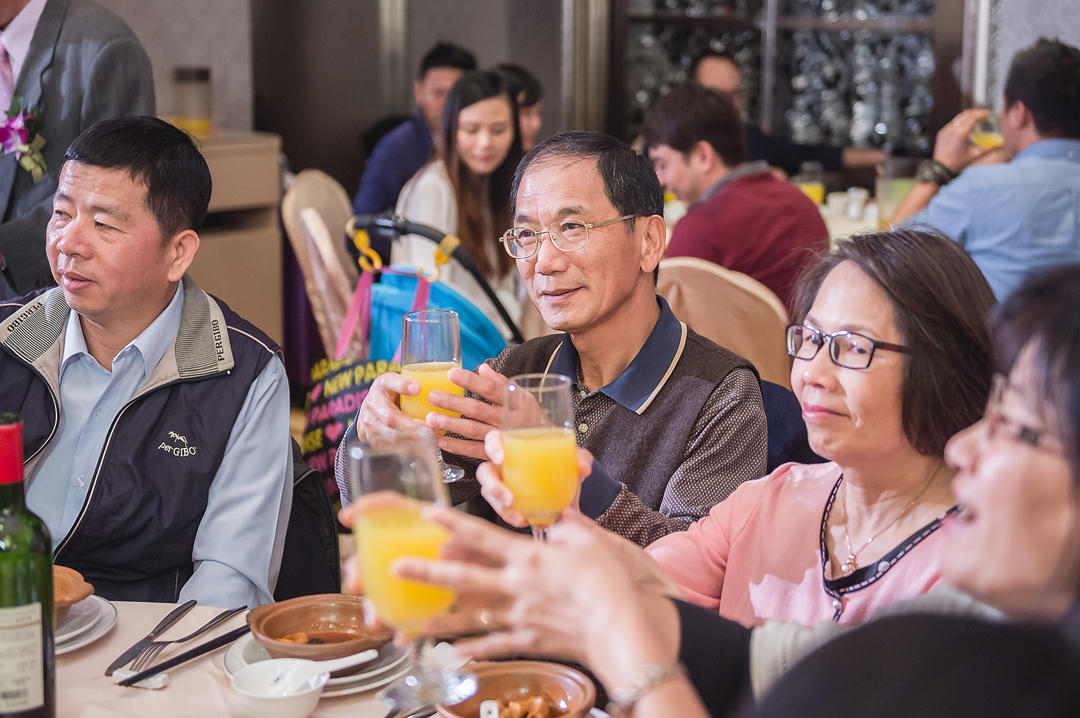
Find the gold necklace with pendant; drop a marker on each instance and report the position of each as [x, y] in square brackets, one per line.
[851, 563]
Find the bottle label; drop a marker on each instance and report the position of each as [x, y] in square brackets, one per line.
[22, 682]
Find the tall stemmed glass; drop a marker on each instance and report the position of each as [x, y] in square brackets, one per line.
[430, 347]
[392, 480]
[540, 451]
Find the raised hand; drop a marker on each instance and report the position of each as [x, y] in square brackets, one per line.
[953, 147]
[497, 494]
[575, 598]
[380, 417]
[476, 418]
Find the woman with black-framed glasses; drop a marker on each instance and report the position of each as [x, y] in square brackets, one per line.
[1014, 545]
[907, 363]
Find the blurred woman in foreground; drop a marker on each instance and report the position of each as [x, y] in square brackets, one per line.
[1015, 544]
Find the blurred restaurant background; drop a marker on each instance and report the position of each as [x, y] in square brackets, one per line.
[281, 84]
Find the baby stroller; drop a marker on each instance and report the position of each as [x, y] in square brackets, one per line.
[396, 292]
[369, 335]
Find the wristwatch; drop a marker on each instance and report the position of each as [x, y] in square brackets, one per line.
[935, 172]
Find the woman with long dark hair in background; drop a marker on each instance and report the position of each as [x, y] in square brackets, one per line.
[465, 192]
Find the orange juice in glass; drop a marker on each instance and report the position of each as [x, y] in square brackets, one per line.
[432, 377]
[811, 180]
[430, 347]
[987, 140]
[986, 135]
[392, 479]
[540, 469]
[539, 449]
[814, 190]
[384, 533]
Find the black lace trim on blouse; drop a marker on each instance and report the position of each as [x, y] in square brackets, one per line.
[864, 576]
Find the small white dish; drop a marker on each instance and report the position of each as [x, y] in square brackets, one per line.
[294, 674]
[251, 686]
[391, 664]
[104, 620]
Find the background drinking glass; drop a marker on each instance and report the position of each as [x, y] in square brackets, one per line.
[540, 464]
[392, 481]
[987, 133]
[430, 347]
[811, 180]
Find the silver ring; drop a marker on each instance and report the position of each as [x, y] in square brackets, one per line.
[486, 618]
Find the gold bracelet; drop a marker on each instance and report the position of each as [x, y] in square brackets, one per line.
[640, 684]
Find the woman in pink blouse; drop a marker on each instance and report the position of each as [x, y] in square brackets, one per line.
[901, 317]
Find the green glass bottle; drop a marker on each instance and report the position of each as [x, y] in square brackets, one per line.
[27, 663]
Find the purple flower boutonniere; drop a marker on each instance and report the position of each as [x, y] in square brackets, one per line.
[20, 135]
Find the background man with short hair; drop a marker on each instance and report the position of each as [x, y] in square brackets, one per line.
[674, 421]
[718, 71]
[80, 63]
[155, 420]
[740, 216]
[1014, 218]
[406, 148]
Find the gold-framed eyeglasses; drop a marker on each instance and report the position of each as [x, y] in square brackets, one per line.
[998, 425]
[568, 234]
[847, 349]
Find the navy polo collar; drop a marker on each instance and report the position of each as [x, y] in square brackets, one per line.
[640, 382]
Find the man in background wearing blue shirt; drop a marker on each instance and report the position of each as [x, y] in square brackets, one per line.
[1014, 218]
[156, 421]
[408, 147]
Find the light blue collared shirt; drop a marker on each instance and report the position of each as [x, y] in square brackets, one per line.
[1014, 218]
[238, 544]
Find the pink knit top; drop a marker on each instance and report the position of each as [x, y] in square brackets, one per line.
[757, 556]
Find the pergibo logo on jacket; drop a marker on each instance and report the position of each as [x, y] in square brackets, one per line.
[179, 445]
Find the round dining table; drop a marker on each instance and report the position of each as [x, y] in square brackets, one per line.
[199, 688]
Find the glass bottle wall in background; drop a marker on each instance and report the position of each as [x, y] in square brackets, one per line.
[847, 72]
[862, 88]
[659, 56]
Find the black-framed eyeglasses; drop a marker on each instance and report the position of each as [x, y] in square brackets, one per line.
[568, 234]
[999, 425]
[847, 349]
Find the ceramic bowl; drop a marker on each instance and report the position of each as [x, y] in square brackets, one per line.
[327, 615]
[572, 694]
[252, 684]
[69, 588]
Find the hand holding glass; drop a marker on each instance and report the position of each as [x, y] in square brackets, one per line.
[431, 347]
[539, 449]
[392, 482]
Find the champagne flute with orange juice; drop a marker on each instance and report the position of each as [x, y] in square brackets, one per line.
[392, 482]
[539, 448]
[431, 347]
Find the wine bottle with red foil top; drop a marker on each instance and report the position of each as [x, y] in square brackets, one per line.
[27, 664]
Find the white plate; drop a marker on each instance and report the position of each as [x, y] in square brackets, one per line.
[379, 681]
[78, 619]
[104, 619]
[391, 658]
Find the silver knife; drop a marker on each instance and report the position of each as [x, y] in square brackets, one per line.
[132, 653]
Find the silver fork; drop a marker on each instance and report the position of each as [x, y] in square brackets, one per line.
[155, 648]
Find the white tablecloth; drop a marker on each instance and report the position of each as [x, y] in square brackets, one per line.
[199, 689]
